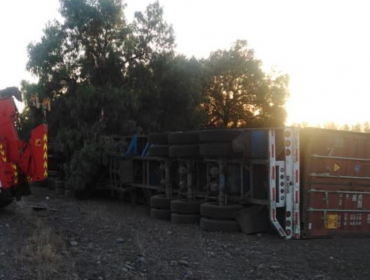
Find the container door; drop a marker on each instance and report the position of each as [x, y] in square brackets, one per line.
[335, 183]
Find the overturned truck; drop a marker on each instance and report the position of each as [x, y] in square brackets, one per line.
[300, 183]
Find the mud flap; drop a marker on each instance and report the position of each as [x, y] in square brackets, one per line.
[253, 219]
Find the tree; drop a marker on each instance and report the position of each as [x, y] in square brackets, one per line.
[331, 125]
[357, 127]
[88, 66]
[239, 93]
[366, 127]
[181, 87]
[171, 91]
[345, 127]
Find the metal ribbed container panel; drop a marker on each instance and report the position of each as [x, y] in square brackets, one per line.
[335, 183]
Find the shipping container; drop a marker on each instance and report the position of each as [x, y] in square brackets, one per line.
[335, 183]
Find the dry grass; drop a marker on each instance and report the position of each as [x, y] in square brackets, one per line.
[96, 214]
[42, 252]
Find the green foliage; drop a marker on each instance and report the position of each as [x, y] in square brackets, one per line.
[150, 35]
[181, 88]
[171, 90]
[87, 164]
[239, 93]
[87, 66]
[25, 125]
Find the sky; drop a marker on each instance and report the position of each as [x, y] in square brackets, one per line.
[324, 46]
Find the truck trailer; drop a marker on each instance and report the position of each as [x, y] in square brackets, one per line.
[300, 182]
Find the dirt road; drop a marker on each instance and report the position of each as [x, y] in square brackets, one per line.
[108, 239]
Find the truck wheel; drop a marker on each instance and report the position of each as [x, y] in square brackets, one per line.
[213, 210]
[183, 138]
[219, 135]
[158, 138]
[184, 218]
[218, 150]
[184, 151]
[158, 151]
[219, 225]
[160, 214]
[161, 201]
[183, 206]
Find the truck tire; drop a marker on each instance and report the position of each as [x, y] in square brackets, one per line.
[184, 218]
[218, 150]
[160, 214]
[158, 151]
[219, 135]
[183, 206]
[213, 210]
[184, 151]
[161, 201]
[219, 225]
[158, 138]
[183, 138]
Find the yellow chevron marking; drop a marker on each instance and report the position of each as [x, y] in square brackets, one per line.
[46, 173]
[15, 173]
[45, 147]
[45, 165]
[14, 166]
[4, 159]
[45, 155]
[45, 137]
[1, 146]
[2, 152]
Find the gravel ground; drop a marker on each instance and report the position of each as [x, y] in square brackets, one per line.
[108, 239]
